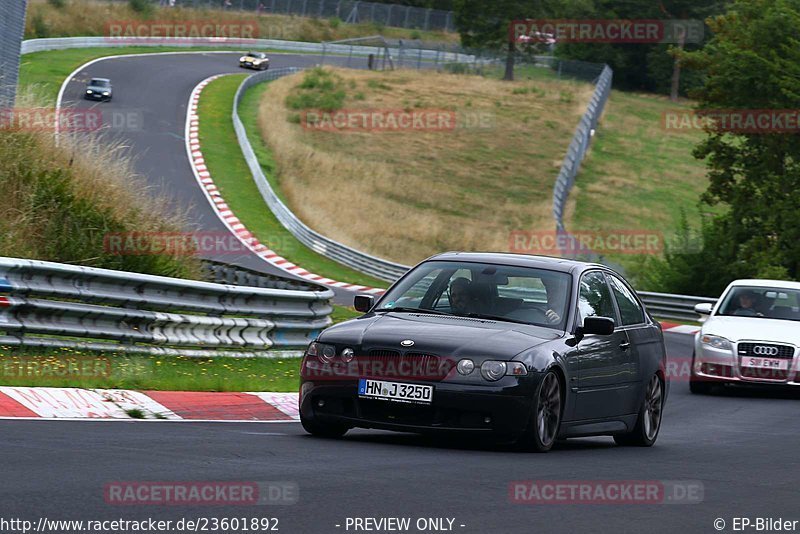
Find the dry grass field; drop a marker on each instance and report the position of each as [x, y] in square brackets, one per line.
[407, 194]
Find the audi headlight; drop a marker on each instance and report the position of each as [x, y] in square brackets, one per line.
[716, 342]
[324, 353]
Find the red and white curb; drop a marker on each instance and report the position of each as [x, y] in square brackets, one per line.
[75, 403]
[227, 216]
[675, 328]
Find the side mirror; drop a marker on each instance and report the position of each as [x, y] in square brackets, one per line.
[599, 326]
[704, 308]
[363, 303]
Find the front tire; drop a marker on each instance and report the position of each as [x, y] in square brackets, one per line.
[545, 420]
[648, 424]
[323, 430]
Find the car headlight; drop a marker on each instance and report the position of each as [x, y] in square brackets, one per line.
[88, 91]
[493, 370]
[716, 342]
[465, 366]
[325, 353]
[106, 93]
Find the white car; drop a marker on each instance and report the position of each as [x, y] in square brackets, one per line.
[752, 335]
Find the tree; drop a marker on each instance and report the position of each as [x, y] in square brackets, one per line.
[751, 63]
[487, 25]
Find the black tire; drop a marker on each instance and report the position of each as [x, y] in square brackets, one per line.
[323, 430]
[648, 424]
[545, 418]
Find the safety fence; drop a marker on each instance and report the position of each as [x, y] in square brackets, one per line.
[574, 157]
[676, 307]
[49, 304]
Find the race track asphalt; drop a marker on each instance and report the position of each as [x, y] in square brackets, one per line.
[742, 445]
[147, 115]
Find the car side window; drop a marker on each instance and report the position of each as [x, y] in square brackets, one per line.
[629, 309]
[594, 299]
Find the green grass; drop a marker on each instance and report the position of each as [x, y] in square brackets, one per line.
[232, 176]
[75, 368]
[638, 176]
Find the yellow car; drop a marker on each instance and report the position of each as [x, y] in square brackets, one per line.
[254, 60]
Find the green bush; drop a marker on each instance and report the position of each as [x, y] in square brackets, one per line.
[58, 4]
[320, 89]
[143, 7]
[40, 27]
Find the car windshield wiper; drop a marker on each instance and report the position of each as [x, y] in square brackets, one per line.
[495, 318]
[407, 309]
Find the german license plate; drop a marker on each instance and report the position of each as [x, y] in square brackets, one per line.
[395, 391]
[765, 363]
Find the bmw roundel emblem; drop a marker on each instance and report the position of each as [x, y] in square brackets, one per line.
[407, 343]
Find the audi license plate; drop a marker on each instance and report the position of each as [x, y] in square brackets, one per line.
[395, 391]
[765, 363]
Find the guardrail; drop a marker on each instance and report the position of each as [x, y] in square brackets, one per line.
[577, 151]
[678, 307]
[379, 268]
[63, 43]
[56, 305]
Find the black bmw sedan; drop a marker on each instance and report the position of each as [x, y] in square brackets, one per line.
[529, 349]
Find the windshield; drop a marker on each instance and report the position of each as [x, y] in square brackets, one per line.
[255, 55]
[499, 292]
[99, 83]
[764, 302]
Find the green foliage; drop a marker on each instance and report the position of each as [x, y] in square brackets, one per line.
[58, 4]
[320, 90]
[40, 26]
[143, 7]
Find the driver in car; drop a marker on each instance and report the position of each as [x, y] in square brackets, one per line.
[556, 295]
[747, 305]
[460, 296]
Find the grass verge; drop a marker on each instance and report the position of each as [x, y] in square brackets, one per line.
[463, 187]
[73, 368]
[232, 176]
[638, 175]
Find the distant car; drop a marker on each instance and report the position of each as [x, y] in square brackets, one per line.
[254, 60]
[527, 348]
[98, 89]
[752, 336]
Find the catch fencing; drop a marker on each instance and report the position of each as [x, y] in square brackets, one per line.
[347, 11]
[45, 304]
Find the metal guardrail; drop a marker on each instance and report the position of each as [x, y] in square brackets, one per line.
[62, 43]
[52, 304]
[678, 307]
[379, 268]
[575, 155]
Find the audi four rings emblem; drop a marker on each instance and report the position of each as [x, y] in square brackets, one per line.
[761, 350]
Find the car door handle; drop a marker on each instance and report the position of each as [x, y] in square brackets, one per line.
[625, 346]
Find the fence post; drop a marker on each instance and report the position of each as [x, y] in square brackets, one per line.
[427, 19]
[12, 26]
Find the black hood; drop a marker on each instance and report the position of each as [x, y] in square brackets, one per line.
[441, 335]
